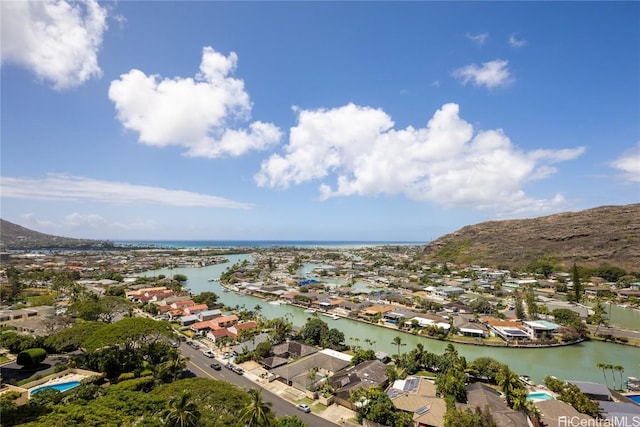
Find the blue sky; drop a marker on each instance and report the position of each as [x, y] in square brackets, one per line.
[314, 120]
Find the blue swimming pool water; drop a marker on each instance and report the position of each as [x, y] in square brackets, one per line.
[541, 395]
[59, 387]
[635, 397]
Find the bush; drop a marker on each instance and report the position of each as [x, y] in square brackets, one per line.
[32, 357]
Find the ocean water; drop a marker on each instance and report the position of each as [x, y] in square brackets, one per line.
[195, 244]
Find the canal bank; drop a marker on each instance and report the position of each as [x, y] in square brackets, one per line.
[578, 362]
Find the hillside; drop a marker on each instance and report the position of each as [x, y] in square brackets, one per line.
[13, 236]
[607, 235]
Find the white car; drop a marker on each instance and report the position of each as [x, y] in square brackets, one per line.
[303, 407]
[209, 354]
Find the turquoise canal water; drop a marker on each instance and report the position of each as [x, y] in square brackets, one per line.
[576, 362]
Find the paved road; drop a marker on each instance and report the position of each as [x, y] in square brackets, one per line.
[199, 364]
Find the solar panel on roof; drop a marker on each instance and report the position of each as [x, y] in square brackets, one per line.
[422, 410]
[411, 384]
[515, 332]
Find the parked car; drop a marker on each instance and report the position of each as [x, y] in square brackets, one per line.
[208, 353]
[238, 370]
[303, 407]
[216, 366]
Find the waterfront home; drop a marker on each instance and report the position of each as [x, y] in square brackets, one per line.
[425, 319]
[398, 316]
[480, 396]
[555, 413]
[594, 391]
[371, 373]
[619, 413]
[469, 326]
[539, 329]
[374, 311]
[418, 396]
[505, 329]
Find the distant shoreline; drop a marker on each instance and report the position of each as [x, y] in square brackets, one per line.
[202, 244]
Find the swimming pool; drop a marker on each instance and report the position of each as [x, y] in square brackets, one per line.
[539, 395]
[59, 387]
[634, 397]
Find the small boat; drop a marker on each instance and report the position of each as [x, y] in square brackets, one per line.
[225, 290]
[213, 279]
[331, 316]
[309, 310]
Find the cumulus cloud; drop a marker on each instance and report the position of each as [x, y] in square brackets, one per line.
[628, 163]
[446, 162]
[490, 74]
[195, 113]
[57, 40]
[72, 188]
[479, 38]
[515, 42]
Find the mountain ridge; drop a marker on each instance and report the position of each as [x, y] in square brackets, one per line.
[17, 237]
[605, 235]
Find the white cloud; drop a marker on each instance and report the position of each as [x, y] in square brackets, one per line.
[73, 188]
[445, 162]
[629, 164]
[491, 74]
[194, 113]
[479, 38]
[57, 40]
[515, 42]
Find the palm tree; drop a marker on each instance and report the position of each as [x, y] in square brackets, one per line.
[620, 370]
[603, 366]
[257, 413]
[182, 412]
[508, 382]
[613, 374]
[398, 341]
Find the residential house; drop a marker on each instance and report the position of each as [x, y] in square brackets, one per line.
[539, 329]
[418, 396]
[506, 329]
[398, 316]
[293, 350]
[469, 326]
[555, 413]
[310, 371]
[209, 314]
[447, 292]
[484, 397]
[195, 309]
[366, 374]
[594, 391]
